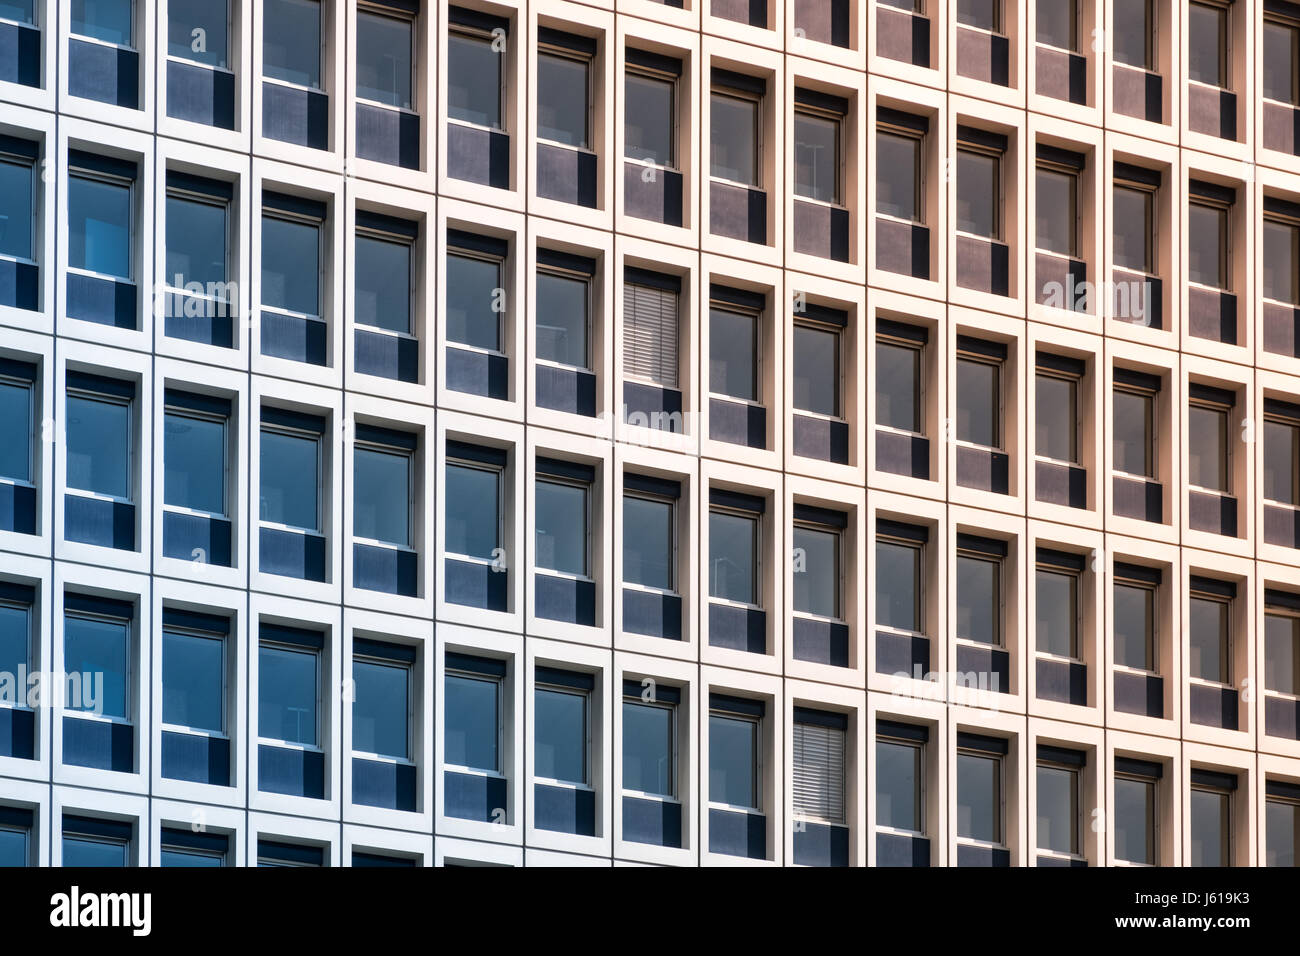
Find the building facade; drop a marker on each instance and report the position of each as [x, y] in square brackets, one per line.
[711, 432]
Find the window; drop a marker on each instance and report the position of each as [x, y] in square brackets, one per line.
[89, 841]
[475, 80]
[99, 435]
[734, 351]
[199, 31]
[1135, 818]
[18, 399]
[198, 244]
[110, 21]
[1056, 207]
[1209, 612]
[734, 546]
[291, 41]
[562, 735]
[1281, 644]
[900, 576]
[289, 686]
[194, 672]
[818, 561]
[817, 367]
[292, 465]
[734, 770]
[385, 273]
[1207, 43]
[1056, 603]
[472, 713]
[1281, 61]
[979, 589]
[820, 761]
[1210, 816]
[17, 200]
[900, 148]
[1134, 422]
[1208, 444]
[1281, 823]
[1058, 801]
[1058, 24]
[979, 393]
[651, 303]
[382, 715]
[292, 256]
[15, 837]
[900, 777]
[381, 859]
[271, 853]
[563, 95]
[190, 849]
[1208, 235]
[16, 644]
[97, 641]
[649, 533]
[980, 14]
[1056, 408]
[1134, 33]
[475, 291]
[1134, 202]
[19, 11]
[979, 188]
[101, 220]
[563, 312]
[650, 101]
[385, 55]
[899, 383]
[735, 122]
[818, 164]
[650, 739]
[1134, 598]
[195, 443]
[1281, 255]
[980, 788]
[473, 502]
[383, 486]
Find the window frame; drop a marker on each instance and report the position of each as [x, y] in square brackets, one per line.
[1278, 799]
[321, 56]
[498, 471]
[1076, 625]
[466, 32]
[1077, 826]
[130, 451]
[410, 760]
[321, 477]
[918, 171]
[12, 159]
[756, 768]
[1152, 397]
[837, 120]
[1287, 614]
[1226, 637]
[1152, 822]
[1225, 245]
[1000, 812]
[121, 182]
[756, 520]
[543, 477]
[803, 321]
[1225, 44]
[671, 80]
[999, 17]
[1153, 635]
[128, 675]
[376, 8]
[919, 796]
[412, 494]
[230, 28]
[999, 424]
[674, 544]
[756, 100]
[1277, 20]
[322, 263]
[756, 316]
[798, 816]
[128, 845]
[1074, 31]
[588, 782]
[223, 639]
[412, 278]
[499, 772]
[588, 62]
[919, 390]
[673, 795]
[318, 656]
[1075, 382]
[1226, 463]
[462, 253]
[33, 445]
[193, 196]
[999, 602]
[839, 575]
[588, 282]
[919, 547]
[1152, 230]
[133, 46]
[214, 418]
[998, 231]
[24, 831]
[1272, 217]
[29, 611]
[1228, 839]
[1073, 175]
[659, 344]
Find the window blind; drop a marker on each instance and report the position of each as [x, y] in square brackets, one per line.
[819, 772]
[650, 334]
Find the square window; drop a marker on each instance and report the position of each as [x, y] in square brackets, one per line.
[19, 11]
[980, 14]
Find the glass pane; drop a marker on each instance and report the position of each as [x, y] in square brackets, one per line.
[1133, 33]
[982, 14]
[648, 542]
[383, 284]
[562, 320]
[16, 423]
[562, 528]
[898, 388]
[78, 851]
[384, 59]
[99, 226]
[98, 437]
[979, 800]
[560, 720]
[196, 245]
[1057, 24]
[1055, 418]
[817, 572]
[99, 651]
[291, 265]
[1054, 213]
[733, 351]
[380, 710]
[107, 20]
[1135, 625]
[13, 848]
[290, 484]
[1207, 243]
[194, 463]
[816, 371]
[15, 651]
[898, 586]
[978, 200]
[381, 496]
[651, 119]
[1281, 462]
[1210, 826]
[562, 99]
[287, 692]
[647, 748]
[188, 858]
[16, 209]
[1207, 448]
[1282, 653]
[733, 761]
[979, 404]
[816, 158]
[1135, 821]
[1281, 257]
[1281, 832]
[1133, 221]
[732, 557]
[473, 511]
[21, 11]
[474, 295]
[473, 80]
[194, 681]
[471, 711]
[979, 597]
[898, 167]
[733, 145]
[1133, 433]
[1058, 810]
[1208, 642]
[1281, 59]
[898, 786]
[196, 30]
[1207, 37]
[291, 41]
[1056, 613]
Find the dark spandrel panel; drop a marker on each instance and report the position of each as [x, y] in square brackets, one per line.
[737, 628]
[389, 570]
[738, 834]
[653, 194]
[1061, 484]
[821, 642]
[983, 56]
[1216, 514]
[391, 786]
[654, 822]
[820, 844]
[200, 95]
[20, 55]
[1135, 498]
[292, 554]
[297, 116]
[1212, 111]
[986, 856]
[478, 155]
[738, 423]
[1213, 706]
[17, 508]
[1063, 681]
[1281, 526]
[1062, 75]
[1282, 717]
[566, 390]
[821, 439]
[1212, 315]
[989, 667]
[902, 654]
[1281, 128]
[652, 613]
[564, 599]
[752, 12]
[17, 733]
[737, 212]
[105, 74]
[197, 538]
[983, 468]
[1138, 93]
[196, 758]
[1141, 694]
[294, 338]
[20, 285]
[108, 524]
[102, 301]
[983, 265]
[567, 175]
[99, 745]
[468, 796]
[388, 136]
[386, 356]
[472, 584]
[564, 809]
[902, 36]
[821, 231]
[900, 850]
[297, 773]
[903, 248]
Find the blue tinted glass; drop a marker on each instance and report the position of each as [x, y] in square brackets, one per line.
[562, 320]
[196, 245]
[196, 30]
[189, 858]
[379, 713]
[648, 542]
[562, 99]
[98, 443]
[381, 496]
[15, 431]
[23, 11]
[561, 528]
[291, 31]
[99, 226]
[287, 689]
[15, 208]
[473, 80]
[101, 649]
[15, 646]
[83, 851]
[13, 848]
[107, 20]
[472, 302]
[647, 748]
[291, 265]
[193, 681]
[383, 284]
[473, 511]
[194, 463]
[733, 752]
[732, 556]
[384, 59]
[471, 711]
[289, 479]
[561, 736]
